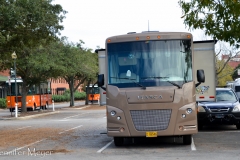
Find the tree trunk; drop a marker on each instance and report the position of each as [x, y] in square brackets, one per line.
[24, 96]
[87, 92]
[71, 87]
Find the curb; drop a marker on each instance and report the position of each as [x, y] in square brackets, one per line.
[30, 116]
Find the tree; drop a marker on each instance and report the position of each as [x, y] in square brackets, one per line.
[225, 74]
[25, 27]
[76, 65]
[224, 49]
[219, 18]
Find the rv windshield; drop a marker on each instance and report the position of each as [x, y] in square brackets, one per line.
[135, 64]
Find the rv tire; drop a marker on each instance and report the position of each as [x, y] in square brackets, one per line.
[187, 139]
[118, 141]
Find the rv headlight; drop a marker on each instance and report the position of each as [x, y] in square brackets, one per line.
[201, 109]
[189, 110]
[113, 113]
[236, 108]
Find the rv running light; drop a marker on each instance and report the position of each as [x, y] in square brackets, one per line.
[180, 128]
[122, 129]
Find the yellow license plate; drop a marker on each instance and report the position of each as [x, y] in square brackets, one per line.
[151, 134]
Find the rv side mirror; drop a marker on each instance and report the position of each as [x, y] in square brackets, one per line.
[200, 76]
[100, 80]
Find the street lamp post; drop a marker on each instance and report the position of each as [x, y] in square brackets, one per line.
[14, 57]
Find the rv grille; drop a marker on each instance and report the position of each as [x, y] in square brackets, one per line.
[151, 120]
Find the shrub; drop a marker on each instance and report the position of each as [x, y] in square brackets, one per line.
[66, 97]
[80, 95]
[3, 103]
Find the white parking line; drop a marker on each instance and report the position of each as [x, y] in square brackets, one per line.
[82, 107]
[193, 147]
[23, 127]
[15, 150]
[65, 120]
[75, 115]
[100, 150]
[70, 129]
[219, 131]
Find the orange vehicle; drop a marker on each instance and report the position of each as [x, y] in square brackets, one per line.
[94, 93]
[38, 96]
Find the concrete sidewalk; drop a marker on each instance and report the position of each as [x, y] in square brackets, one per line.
[27, 115]
[38, 113]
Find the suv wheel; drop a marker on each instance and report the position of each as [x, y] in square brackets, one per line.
[200, 126]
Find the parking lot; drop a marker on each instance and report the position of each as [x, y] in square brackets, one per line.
[73, 133]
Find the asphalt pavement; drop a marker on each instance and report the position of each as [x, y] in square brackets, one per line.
[80, 133]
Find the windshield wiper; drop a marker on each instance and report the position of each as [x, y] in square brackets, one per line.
[163, 78]
[143, 87]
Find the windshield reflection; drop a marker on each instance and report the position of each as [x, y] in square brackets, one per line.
[138, 60]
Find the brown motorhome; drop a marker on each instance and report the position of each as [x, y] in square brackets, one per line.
[150, 85]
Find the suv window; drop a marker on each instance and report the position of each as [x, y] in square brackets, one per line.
[225, 95]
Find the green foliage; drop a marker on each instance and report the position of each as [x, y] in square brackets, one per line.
[26, 23]
[74, 63]
[225, 74]
[80, 95]
[220, 19]
[61, 98]
[66, 96]
[25, 27]
[3, 103]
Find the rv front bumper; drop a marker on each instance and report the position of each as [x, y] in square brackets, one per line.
[162, 122]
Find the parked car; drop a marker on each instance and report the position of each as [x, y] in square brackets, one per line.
[225, 110]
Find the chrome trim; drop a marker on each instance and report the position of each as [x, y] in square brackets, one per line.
[217, 110]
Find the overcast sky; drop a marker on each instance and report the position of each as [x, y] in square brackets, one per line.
[94, 20]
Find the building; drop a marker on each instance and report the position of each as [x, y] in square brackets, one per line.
[58, 86]
[3, 78]
[234, 62]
